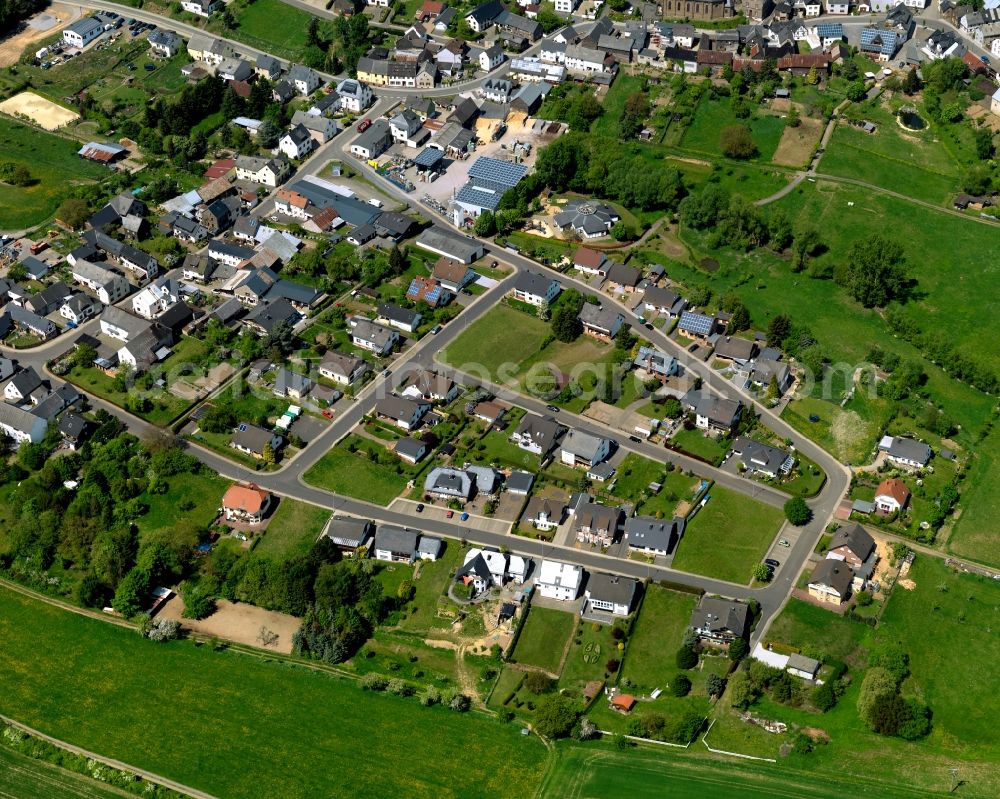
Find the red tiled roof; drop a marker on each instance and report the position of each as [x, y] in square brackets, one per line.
[586, 257]
[714, 57]
[895, 488]
[220, 168]
[249, 499]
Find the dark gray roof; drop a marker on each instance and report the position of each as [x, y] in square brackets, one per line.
[348, 532]
[533, 283]
[719, 615]
[647, 532]
[252, 437]
[612, 588]
[908, 449]
[520, 482]
[396, 539]
[760, 456]
[834, 573]
[856, 539]
[410, 447]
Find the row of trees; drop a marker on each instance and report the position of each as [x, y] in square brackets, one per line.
[12, 12]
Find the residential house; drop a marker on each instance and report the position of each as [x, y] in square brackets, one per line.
[600, 321]
[596, 524]
[291, 384]
[230, 254]
[535, 289]
[109, 285]
[611, 593]
[395, 544]
[485, 568]
[738, 350]
[590, 220]
[759, 458]
[374, 141]
[72, 428]
[265, 171]
[349, 534]
[267, 67]
[21, 426]
[341, 368]
[372, 336]
[393, 315]
[831, 581]
[120, 324]
[22, 385]
[656, 363]
[297, 142]
[537, 434]
[450, 484]
[851, 544]
[591, 262]
[905, 451]
[484, 16]
[47, 300]
[519, 483]
[711, 412]
[247, 504]
[411, 450]
[255, 441]
[453, 275]
[544, 513]
[266, 317]
[891, 496]
[720, 621]
[156, 298]
[407, 128]
[429, 548]
[234, 69]
[432, 387]
[491, 413]
[305, 80]
[557, 580]
[403, 412]
[490, 58]
[79, 308]
[696, 325]
[202, 8]
[764, 370]
[651, 536]
[140, 352]
[428, 290]
[583, 60]
[497, 90]
[584, 449]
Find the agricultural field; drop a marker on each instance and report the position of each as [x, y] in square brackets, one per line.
[728, 536]
[105, 695]
[975, 532]
[292, 530]
[22, 777]
[54, 166]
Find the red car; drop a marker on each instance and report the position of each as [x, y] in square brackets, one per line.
[450, 514]
[364, 124]
[328, 413]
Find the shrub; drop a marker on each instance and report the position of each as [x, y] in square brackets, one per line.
[687, 658]
[538, 683]
[554, 716]
[460, 703]
[736, 142]
[374, 682]
[681, 685]
[824, 697]
[863, 599]
[715, 685]
[738, 650]
[612, 665]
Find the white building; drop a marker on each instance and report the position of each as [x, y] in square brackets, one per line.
[559, 580]
[265, 171]
[82, 32]
[203, 8]
[354, 95]
[108, 285]
[297, 143]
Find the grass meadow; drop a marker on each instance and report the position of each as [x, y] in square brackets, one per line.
[713, 115]
[356, 475]
[22, 777]
[293, 530]
[728, 536]
[544, 638]
[239, 726]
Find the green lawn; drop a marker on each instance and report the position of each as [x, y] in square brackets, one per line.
[591, 650]
[22, 777]
[632, 485]
[195, 497]
[659, 630]
[257, 27]
[817, 632]
[728, 536]
[53, 165]
[544, 637]
[715, 114]
[975, 534]
[695, 442]
[293, 530]
[355, 475]
[504, 335]
[614, 105]
[166, 406]
[102, 687]
[849, 432]
[431, 586]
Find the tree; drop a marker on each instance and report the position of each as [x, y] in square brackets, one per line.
[566, 327]
[686, 658]
[634, 115]
[681, 685]
[876, 273]
[984, 143]
[736, 142]
[620, 232]
[778, 329]
[824, 697]
[738, 650]
[267, 456]
[538, 682]
[554, 716]
[73, 212]
[460, 703]
[131, 593]
[742, 693]
[978, 180]
[715, 685]
[797, 511]
[486, 225]
[856, 91]
[198, 600]
[740, 319]
[794, 120]
[911, 81]
[268, 134]
[588, 730]
[761, 573]
[890, 656]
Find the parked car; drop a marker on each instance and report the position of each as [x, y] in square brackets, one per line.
[450, 514]
[464, 517]
[784, 543]
[364, 124]
[774, 564]
[553, 408]
[327, 413]
[420, 507]
[635, 439]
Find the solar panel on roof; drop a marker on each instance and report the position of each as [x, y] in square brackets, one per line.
[495, 171]
[242, 428]
[429, 157]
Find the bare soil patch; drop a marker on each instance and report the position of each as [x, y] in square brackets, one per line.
[797, 144]
[41, 26]
[39, 110]
[235, 621]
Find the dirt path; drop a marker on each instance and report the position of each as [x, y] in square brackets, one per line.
[41, 26]
[466, 682]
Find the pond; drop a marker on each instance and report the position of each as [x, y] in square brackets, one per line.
[910, 119]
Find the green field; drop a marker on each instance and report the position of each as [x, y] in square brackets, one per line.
[355, 475]
[727, 536]
[659, 630]
[274, 27]
[713, 115]
[543, 638]
[202, 491]
[975, 534]
[503, 335]
[104, 688]
[695, 442]
[54, 167]
[22, 777]
[588, 772]
[293, 530]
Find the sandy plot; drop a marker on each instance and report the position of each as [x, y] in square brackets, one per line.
[797, 144]
[40, 26]
[235, 621]
[46, 113]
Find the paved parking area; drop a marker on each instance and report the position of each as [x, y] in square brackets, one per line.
[474, 522]
[788, 533]
[308, 428]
